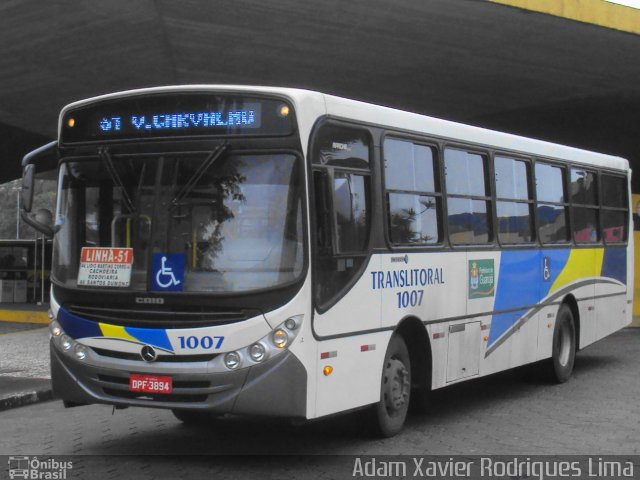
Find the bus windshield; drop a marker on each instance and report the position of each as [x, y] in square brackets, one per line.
[233, 220]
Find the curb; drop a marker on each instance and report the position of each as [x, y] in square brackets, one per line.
[21, 399]
[24, 316]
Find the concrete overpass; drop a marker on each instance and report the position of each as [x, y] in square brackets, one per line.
[473, 61]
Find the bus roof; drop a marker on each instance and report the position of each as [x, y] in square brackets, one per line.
[344, 108]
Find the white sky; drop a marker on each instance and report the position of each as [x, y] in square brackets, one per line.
[627, 3]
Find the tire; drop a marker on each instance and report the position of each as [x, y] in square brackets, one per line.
[390, 412]
[191, 417]
[560, 366]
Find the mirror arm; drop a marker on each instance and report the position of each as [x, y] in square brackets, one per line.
[40, 227]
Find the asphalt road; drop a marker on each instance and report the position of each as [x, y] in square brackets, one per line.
[597, 412]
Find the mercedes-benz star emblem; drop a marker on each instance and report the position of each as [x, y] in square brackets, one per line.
[148, 353]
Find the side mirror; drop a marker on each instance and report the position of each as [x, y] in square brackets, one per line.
[42, 160]
[42, 221]
[28, 178]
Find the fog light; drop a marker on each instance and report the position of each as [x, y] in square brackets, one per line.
[50, 314]
[257, 352]
[280, 338]
[81, 352]
[291, 324]
[67, 343]
[54, 328]
[232, 360]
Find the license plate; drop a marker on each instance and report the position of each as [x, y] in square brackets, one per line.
[150, 383]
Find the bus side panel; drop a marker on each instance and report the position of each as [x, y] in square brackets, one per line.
[357, 310]
[512, 337]
[355, 379]
[428, 286]
[576, 277]
[611, 298]
[356, 372]
[546, 323]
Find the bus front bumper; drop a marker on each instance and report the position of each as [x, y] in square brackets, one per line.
[277, 387]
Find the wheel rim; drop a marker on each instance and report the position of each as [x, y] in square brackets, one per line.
[564, 346]
[397, 385]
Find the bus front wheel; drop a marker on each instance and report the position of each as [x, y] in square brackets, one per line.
[395, 389]
[560, 365]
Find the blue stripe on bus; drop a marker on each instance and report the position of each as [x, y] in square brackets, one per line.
[152, 336]
[615, 264]
[521, 282]
[77, 327]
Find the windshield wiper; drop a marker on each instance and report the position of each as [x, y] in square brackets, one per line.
[197, 175]
[113, 173]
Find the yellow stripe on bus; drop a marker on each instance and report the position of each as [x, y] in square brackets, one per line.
[582, 263]
[115, 331]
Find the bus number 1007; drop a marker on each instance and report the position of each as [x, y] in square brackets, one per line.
[206, 342]
[411, 298]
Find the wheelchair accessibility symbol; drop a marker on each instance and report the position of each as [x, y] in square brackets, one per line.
[168, 272]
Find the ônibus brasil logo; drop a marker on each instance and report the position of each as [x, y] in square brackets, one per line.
[36, 469]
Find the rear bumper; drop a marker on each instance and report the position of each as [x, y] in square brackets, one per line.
[278, 387]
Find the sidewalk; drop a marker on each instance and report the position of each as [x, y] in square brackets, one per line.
[24, 364]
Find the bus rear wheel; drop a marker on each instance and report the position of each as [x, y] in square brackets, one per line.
[395, 389]
[560, 365]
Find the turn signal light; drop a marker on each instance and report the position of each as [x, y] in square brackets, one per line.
[328, 370]
[284, 111]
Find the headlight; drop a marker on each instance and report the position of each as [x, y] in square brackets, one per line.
[291, 323]
[280, 338]
[272, 344]
[257, 352]
[55, 329]
[81, 352]
[232, 360]
[66, 343]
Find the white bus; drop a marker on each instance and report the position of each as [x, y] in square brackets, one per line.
[274, 251]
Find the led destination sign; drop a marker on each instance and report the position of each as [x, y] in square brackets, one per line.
[185, 121]
[176, 115]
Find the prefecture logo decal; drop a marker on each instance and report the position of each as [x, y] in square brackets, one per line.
[482, 279]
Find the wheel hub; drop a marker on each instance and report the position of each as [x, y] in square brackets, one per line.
[397, 385]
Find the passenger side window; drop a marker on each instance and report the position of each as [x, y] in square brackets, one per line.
[584, 206]
[513, 200]
[468, 198]
[552, 206]
[413, 198]
[615, 210]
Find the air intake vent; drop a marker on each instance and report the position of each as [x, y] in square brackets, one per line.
[161, 317]
[161, 358]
